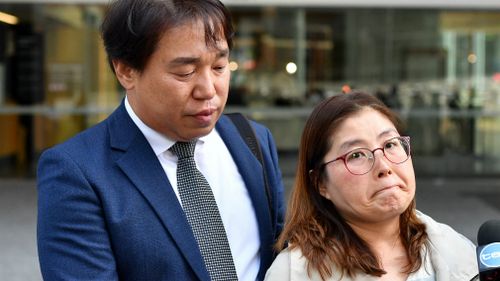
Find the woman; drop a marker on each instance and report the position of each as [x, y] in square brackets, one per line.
[352, 213]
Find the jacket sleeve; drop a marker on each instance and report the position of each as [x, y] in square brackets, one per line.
[73, 243]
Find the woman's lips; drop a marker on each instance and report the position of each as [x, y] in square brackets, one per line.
[387, 188]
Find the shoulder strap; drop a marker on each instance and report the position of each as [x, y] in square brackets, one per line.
[247, 133]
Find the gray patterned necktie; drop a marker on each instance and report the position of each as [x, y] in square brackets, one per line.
[203, 215]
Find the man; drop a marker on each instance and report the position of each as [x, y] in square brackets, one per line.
[112, 200]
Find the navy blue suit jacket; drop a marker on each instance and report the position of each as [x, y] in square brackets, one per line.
[106, 210]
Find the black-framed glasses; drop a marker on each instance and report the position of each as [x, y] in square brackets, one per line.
[360, 161]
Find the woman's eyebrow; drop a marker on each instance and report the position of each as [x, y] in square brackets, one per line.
[359, 142]
[387, 132]
[350, 143]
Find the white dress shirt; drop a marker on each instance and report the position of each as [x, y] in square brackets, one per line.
[235, 206]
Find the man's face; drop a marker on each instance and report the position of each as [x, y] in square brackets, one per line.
[183, 89]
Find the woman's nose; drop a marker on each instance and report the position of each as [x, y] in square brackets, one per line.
[382, 164]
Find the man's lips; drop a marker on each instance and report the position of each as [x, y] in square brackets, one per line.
[205, 117]
[205, 112]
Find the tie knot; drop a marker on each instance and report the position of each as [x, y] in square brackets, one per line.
[183, 149]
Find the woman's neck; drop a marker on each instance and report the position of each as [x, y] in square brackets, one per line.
[385, 241]
[379, 232]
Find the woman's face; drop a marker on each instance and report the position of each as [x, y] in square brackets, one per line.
[379, 195]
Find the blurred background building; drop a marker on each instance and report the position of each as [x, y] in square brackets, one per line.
[436, 62]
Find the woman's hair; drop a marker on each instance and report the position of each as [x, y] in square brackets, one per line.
[313, 223]
[132, 28]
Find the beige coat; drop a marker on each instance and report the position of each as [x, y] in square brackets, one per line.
[452, 255]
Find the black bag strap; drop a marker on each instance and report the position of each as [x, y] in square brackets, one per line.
[247, 133]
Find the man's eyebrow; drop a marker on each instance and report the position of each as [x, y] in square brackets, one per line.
[194, 60]
[183, 61]
[223, 53]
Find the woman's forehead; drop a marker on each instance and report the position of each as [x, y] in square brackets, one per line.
[363, 126]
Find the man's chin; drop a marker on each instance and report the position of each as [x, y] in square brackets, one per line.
[198, 132]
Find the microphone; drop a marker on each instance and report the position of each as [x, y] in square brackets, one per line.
[488, 251]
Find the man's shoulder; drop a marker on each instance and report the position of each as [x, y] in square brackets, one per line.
[95, 135]
[259, 128]
[84, 142]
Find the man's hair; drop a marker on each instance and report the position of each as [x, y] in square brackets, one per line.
[132, 28]
[313, 223]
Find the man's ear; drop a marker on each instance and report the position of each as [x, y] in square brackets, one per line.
[125, 74]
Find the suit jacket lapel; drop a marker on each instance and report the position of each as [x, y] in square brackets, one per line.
[140, 164]
[251, 171]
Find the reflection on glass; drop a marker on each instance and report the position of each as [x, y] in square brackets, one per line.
[439, 67]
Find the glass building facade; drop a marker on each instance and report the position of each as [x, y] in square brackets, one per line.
[439, 67]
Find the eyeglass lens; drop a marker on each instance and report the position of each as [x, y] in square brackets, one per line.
[361, 160]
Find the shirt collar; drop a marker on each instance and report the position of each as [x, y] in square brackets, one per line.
[158, 142]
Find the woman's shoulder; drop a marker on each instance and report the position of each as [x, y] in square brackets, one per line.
[442, 232]
[280, 269]
[450, 250]
[290, 264]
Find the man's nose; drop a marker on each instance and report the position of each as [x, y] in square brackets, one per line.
[205, 86]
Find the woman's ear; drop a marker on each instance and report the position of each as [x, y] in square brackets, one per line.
[125, 74]
[323, 190]
[315, 177]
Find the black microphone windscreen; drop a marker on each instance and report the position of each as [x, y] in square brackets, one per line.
[489, 232]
